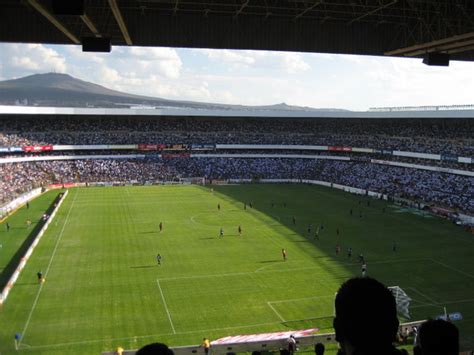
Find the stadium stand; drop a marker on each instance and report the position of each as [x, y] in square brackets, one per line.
[427, 160]
[448, 136]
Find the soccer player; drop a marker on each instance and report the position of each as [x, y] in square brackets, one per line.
[206, 344]
[161, 227]
[221, 232]
[250, 204]
[337, 231]
[394, 246]
[361, 258]
[158, 259]
[350, 212]
[8, 227]
[349, 253]
[294, 220]
[364, 269]
[218, 206]
[27, 205]
[338, 249]
[310, 226]
[283, 253]
[245, 206]
[240, 230]
[40, 276]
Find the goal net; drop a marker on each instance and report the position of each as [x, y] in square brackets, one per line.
[193, 180]
[402, 300]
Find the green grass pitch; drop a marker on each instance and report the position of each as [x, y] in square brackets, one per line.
[104, 288]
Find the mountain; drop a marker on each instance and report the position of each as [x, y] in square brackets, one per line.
[63, 90]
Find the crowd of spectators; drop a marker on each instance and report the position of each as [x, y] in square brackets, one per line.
[443, 189]
[447, 136]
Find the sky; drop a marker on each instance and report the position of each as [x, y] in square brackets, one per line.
[251, 77]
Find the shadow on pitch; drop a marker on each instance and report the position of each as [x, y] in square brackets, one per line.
[270, 261]
[142, 266]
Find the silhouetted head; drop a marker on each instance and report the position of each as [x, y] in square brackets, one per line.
[438, 337]
[366, 316]
[155, 349]
[319, 349]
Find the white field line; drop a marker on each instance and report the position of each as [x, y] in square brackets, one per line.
[200, 331]
[431, 300]
[274, 310]
[25, 328]
[166, 306]
[441, 304]
[452, 268]
[302, 299]
[284, 270]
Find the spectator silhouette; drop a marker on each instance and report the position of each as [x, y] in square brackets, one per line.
[366, 320]
[155, 349]
[438, 337]
[319, 349]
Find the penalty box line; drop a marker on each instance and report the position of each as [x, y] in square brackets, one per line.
[166, 306]
[271, 303]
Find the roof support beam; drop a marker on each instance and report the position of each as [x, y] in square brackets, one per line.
[244, 5]
[90, 25]
[444, 48]
[450, 43]
[309, 8]
[118, 17]
[43, 11]
[372, 12]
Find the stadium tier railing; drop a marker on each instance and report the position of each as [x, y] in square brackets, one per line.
[188, 148]
[262, 345]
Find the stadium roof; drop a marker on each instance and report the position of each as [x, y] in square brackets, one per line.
[372, 27]
[240, 113]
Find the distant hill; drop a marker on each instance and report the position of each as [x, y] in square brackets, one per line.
[63, 90]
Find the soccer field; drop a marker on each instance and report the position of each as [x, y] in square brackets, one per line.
[104, 288]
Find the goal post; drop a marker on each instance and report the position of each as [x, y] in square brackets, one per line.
[193, 180]
[402, 300]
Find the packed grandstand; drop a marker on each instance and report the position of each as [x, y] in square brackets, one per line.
[425, 160]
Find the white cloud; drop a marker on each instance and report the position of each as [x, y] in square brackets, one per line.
[294, 63]
[290, 62]
[31, 58]
[230, 56]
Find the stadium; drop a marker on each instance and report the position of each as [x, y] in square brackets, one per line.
[405, 179]
[133, 221]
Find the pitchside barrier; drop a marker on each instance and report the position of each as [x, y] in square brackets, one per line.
[5, 210]
[24, 259]
[254, 342]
